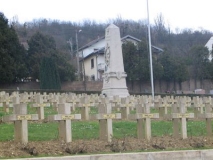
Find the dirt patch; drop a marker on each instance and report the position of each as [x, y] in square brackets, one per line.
[12, 149]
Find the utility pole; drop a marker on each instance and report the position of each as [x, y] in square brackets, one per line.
[82, 56]
[150, 52]
[77, 54]
[71, 49]
[73, 61]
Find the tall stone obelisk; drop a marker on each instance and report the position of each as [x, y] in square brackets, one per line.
[114, 77]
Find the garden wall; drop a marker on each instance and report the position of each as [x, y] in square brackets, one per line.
[133, 87]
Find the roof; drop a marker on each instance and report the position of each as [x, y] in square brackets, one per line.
[25, 44]
[92, 42]
[101, 50]
[158, 49]
[101, 38]
[128, 36]
[209, 43]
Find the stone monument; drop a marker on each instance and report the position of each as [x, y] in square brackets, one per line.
[114, 77]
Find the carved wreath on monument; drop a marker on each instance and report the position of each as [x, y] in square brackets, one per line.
[107, 55]
[119, 75]
[106, 77]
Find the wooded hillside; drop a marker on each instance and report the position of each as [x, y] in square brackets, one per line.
[184, 53]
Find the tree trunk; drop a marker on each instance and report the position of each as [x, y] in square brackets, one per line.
[174, 85]
[167, 85]
[188, 84]
[201, 83]
[132, 84]
[180, 85]
[195, 80]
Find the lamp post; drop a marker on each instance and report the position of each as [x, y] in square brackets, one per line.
[71, 49]
[77, 54]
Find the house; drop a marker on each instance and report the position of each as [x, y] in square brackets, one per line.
[92, 56]
[209, 45]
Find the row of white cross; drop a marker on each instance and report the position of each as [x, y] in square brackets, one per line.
[169, 108]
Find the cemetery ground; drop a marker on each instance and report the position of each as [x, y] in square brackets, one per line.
[43, 137]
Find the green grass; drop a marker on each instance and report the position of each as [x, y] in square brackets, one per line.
[124, 129]
[90, 129]
[6, 132]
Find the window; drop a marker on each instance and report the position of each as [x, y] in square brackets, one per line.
[92, 63]
[92, 77]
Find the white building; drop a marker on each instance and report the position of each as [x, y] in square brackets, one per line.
[92, 56]
[209, 45]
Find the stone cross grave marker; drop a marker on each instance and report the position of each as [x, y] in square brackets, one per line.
[198, 106]
[102, 100]
[143, 117]
[54, 101]
[171, 100]
[105, 117]
[73, 100]
[6, 101]
[162, 105]
[116, 101]
[182, 116]
[64, 117]
[125, 107]
[207, 115]
[15, 99]
[85, 105]
[39, 105]
[20, 119]
[175, 121]
[45, 97]
[31, 97]
[24, 97]
[188, 101]
[166, 106]
[158, 104]
[132, 100]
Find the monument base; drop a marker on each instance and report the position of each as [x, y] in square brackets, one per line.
[121, 92]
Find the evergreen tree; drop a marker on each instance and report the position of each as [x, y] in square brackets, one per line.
[41, 46]
[12, 54]
[199, 57]
[143, 65]
[129, 58]
[136, 62]
[168, 67]
[49, 77]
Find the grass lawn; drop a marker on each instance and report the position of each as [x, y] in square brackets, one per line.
[90, 129]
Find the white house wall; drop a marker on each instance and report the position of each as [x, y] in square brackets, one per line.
[209, 46]
[130, 40]
[99, 45]
[100, 59]
[97, 60]
[88, 70]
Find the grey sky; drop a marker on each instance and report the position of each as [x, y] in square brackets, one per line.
[194, 14]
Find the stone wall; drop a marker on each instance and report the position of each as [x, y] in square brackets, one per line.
[23, 86]
[80, 86]
[134, 87]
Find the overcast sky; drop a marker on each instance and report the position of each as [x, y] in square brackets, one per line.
[194, 14]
